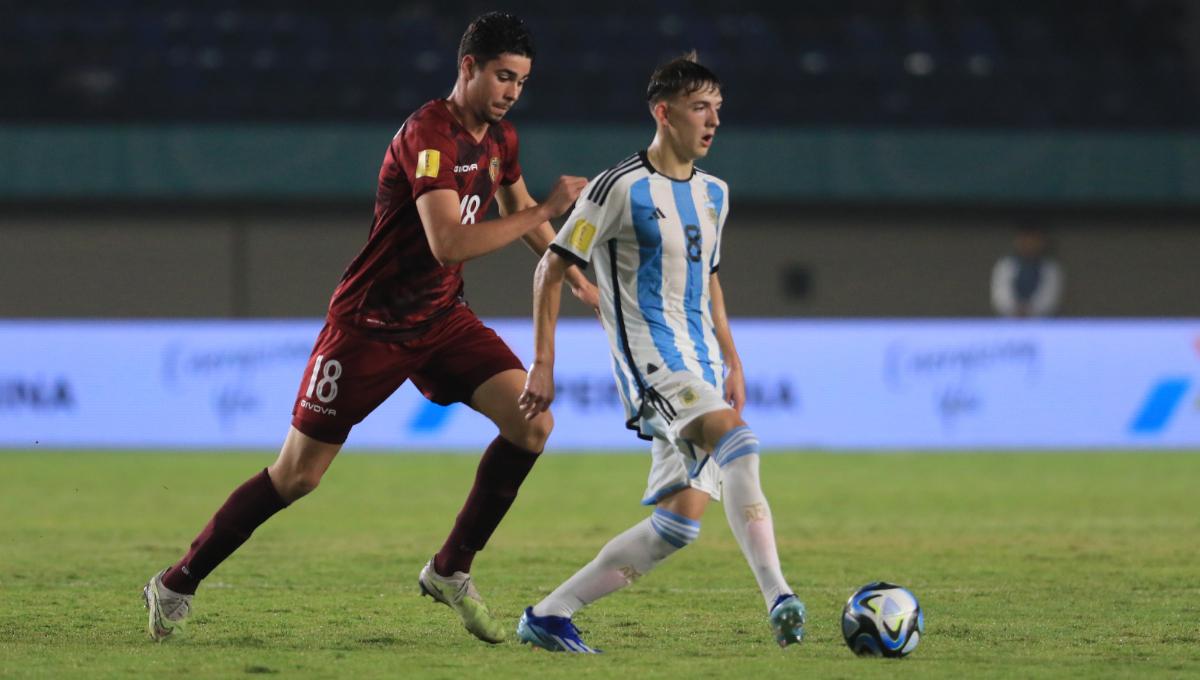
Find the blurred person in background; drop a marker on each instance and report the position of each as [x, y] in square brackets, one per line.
[1028, 282]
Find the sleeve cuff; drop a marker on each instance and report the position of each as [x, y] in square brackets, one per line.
[714, 269]
[428, 187]
[569, 256]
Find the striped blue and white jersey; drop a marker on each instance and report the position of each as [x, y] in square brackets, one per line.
[655, 241]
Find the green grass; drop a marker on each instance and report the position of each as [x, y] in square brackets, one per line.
[1030, 566]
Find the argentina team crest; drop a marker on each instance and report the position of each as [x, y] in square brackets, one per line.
[494, 168]
[711, 205]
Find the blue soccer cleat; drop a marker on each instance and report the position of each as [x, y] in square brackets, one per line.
[553, 633]
[787, 619]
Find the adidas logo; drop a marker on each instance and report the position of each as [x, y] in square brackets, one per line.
[658, 214]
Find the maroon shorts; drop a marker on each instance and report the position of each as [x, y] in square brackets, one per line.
[350, 374]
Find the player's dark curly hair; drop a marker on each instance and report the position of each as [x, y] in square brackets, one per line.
[681, 75]
[493, 34]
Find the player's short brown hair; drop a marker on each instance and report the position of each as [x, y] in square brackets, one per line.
[493, 34]
[681, 75]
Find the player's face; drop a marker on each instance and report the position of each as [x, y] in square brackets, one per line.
[693, 121]
[494, 87]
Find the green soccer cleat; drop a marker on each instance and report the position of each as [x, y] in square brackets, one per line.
[458, 593]
[787, 620]
[168, 609]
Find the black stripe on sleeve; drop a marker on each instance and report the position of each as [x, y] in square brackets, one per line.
[612, 181]
[594, 195]
[569, 256]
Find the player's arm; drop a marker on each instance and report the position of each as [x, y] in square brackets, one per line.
[453, 242]
[547, 291]
[735, 379]
[514, 198]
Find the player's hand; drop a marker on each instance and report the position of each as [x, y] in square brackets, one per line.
[735, 389]
[563, 195]
[539, 391]
[588, 294]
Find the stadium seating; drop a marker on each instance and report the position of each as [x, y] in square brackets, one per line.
[983, 63]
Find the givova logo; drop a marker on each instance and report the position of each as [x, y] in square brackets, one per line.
[1160, 405]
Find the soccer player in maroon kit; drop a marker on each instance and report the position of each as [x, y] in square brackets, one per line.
[399, 314]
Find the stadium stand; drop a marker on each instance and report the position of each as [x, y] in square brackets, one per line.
[987, 63]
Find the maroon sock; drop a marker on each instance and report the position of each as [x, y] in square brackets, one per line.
[501, 471]
[247, 507]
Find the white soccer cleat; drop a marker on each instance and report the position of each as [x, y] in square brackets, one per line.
[458, 593]
[168, 609]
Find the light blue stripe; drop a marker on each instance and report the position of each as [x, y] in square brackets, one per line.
[680, 536]
[693, 294]
[623, 383]
[621, 330]
[687, 534]
[733, 455]
[676, 530]
[739, 435]
[650, 274]
[733, 442]
[738, 442]
[716, 196]
[686, 522]
[667, 535]
[729, 435]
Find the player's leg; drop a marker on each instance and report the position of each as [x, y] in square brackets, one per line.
[506, 462]
[297, 471]
[735, 449]
[502, 469]
[472, 365]
[675, 523]
[345, 379]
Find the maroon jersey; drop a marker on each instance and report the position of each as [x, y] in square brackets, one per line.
[395, 285]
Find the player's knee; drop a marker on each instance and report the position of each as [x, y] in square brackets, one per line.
[307, 482]
[677, 530]
[293, 484]
[536, 432]
[737, 443]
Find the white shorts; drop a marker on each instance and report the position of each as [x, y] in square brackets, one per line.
[676, 463]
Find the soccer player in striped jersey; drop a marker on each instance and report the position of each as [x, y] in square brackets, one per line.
[653, 226]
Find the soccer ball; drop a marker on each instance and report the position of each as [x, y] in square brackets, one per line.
[882, 619]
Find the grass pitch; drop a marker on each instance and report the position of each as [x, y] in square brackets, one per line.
[1031, 566]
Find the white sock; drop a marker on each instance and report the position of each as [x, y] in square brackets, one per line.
[747, 510]
[621, 561]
